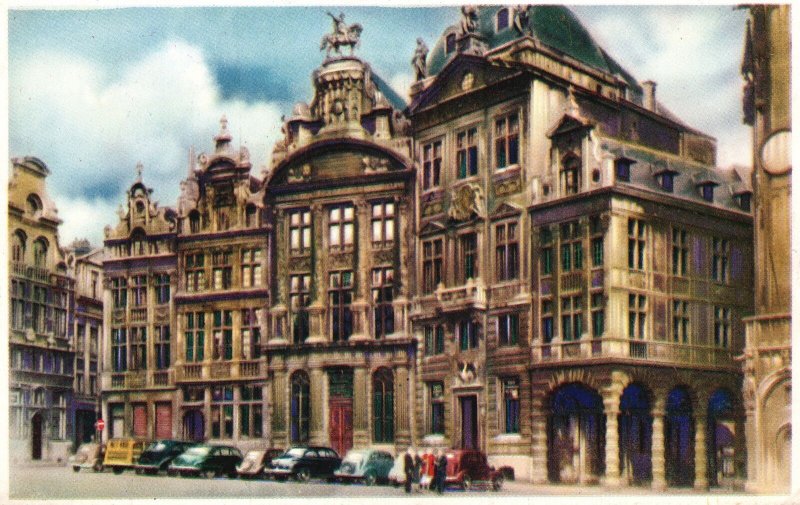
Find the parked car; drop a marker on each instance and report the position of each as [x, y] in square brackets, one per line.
[207, 461]
[256, 462]
[158, 455]
[466, 468]
[122, 453]
[397, 475]
[365, 465]
[304, 462]
[88, 455]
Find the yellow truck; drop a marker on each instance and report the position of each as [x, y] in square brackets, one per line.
[122, 453]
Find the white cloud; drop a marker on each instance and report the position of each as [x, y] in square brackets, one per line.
[84, 218]
[401, 83]
[92, 130]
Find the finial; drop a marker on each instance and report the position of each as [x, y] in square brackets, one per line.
[139, 168]
[224, 136]
[223, 122]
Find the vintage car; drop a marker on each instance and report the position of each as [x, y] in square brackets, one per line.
[158, 455]
[88, 455]
[207, 461]
[468, 468]
[304, 462]
[365, 465]
[122, 453]
[256, 462]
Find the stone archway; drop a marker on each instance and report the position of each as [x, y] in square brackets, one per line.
[720, 437]
[635, 434]
[194, 426]
[575, 435]
[679, 438]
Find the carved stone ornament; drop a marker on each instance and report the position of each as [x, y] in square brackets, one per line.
[467, 372]
[300, 173]
[372, 164]
[465, 201]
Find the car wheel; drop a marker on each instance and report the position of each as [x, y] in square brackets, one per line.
[138, 471]
[466, 482]
[117, 470]
[98, 467]
[76, 469]
[303, 475]
[370, 479]
[497, 483]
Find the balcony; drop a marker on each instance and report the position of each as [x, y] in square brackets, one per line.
[30, 272]
[139, 379]
[138, 315]
[218, 370]
[644, 351]
[471, 295]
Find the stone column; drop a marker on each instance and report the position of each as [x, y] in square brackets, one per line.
[361, 407]
[657, 448]
[317, 309]
[538, 437]
[362, 276]
[700, 463]
[402, 407]
[319, 408]
[611, 408]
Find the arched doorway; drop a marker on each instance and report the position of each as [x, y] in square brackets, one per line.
[679, 438]
[635, 435]
[194, 428]
[783, 455]
[36, 436]
[576, 435]
[720, 438]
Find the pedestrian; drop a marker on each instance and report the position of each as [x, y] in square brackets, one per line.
[408, 469]
[441, 471]
[428, 469]
[417, 471]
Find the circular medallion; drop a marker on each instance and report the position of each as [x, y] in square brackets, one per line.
[776, 153]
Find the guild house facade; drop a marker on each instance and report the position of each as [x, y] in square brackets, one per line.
[533, 258]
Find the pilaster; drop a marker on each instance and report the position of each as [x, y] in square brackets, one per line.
[700, 458]
[657, 449]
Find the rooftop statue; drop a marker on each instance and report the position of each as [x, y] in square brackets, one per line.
[469, 19]
[521, 19]
[343, 35]
[418, 61]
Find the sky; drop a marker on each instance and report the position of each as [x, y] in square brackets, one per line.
[93, 92]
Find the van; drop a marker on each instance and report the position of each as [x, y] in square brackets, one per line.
[122, 453]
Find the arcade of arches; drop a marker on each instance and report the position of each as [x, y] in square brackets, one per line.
[631, 429]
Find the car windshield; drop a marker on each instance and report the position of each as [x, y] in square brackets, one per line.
[354, 457]
[198, 451]
[157, 447]
[295, 452]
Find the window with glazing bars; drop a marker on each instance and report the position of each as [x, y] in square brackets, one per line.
[637, 316]
[340, 294]
[680, 321]
[468, 257]
[299, 231]
[636, 244]
[680, 252]
[467, 153]
[341, 226]
[719, 259]
[506, 141]
[431, 264]
[194, 336]
[194, 273]
[382, 297]
[382, 224]
[506, 252]
[431, 164]
[299, 299]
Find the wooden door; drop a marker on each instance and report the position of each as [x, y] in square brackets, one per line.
[36, 436]
[163, 420]
[140, 420]
[469, 422]
[341, 425]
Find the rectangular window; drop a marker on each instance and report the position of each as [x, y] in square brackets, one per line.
[511, 404]
[636, 244]
[596, 231]
[467, 257]
[680, 321]
[506, 252]
[221, 269]
[161, 282]
[251, 267]
[622, 167]
[162, 347]
[251, 417]
[598, 315]
[223, 335]
[546, 253]
[431, 164]
[434, 340]
[383, 224]
[506, 141]
[382, 297]
[195, 272]
[467, 153]
[299, 299]
[637, 317]
[571, 175]
[299, 232]
[508, 329]
[17, 305]
[722, 326]
[251, 334]
[194, 336]
[571, 318]
[436, 404]
[468, 332]
[222, 412]
[547, 321]
[680, 252]
[340, 295]
[138, 348]
[341, 227]
[719, 260]
[431, 264]
[571, 247]
[119, 349]
[119, 289]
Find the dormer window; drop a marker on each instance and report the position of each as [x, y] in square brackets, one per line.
[622, 169]
[450, 43]
[502, 19]
[743, 200]
[707, 191]
[570, 174]
[665, 177]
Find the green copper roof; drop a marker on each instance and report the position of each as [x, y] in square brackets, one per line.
[553, 25]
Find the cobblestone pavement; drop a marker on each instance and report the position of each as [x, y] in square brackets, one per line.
[59, 482]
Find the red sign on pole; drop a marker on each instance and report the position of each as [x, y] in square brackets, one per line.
[99, 425]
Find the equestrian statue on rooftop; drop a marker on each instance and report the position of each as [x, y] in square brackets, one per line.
[343, 35]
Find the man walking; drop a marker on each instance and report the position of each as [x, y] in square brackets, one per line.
[441, 471]
[408, 469]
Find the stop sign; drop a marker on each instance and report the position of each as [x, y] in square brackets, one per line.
[99, 425]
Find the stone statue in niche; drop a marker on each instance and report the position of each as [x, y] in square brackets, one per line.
[465, 201]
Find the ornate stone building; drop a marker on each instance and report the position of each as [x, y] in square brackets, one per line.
[40, 308]
[581, 266]
[767, 355]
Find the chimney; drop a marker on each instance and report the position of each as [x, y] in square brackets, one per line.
[649, 95]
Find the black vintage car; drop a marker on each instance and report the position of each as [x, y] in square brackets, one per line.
[158, 455]
[305, 462]
[207, 461]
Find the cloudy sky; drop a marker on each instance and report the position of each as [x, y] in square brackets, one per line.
[92, 92]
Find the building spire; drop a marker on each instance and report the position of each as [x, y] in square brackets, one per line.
[139, 168]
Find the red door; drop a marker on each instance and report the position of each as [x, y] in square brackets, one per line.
[140, 420]
[341, 425]
[163, 420]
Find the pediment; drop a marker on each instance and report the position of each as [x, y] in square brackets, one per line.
[432, 228]
[569, 124]
[504, 210]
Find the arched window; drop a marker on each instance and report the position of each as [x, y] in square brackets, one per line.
[383, 406]
[570, 174]
[18, 246]
[450, 43]
[138, 242]
[34, 204]
[300, 407]
[40, 252]
[194, 221]
[502, 19]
